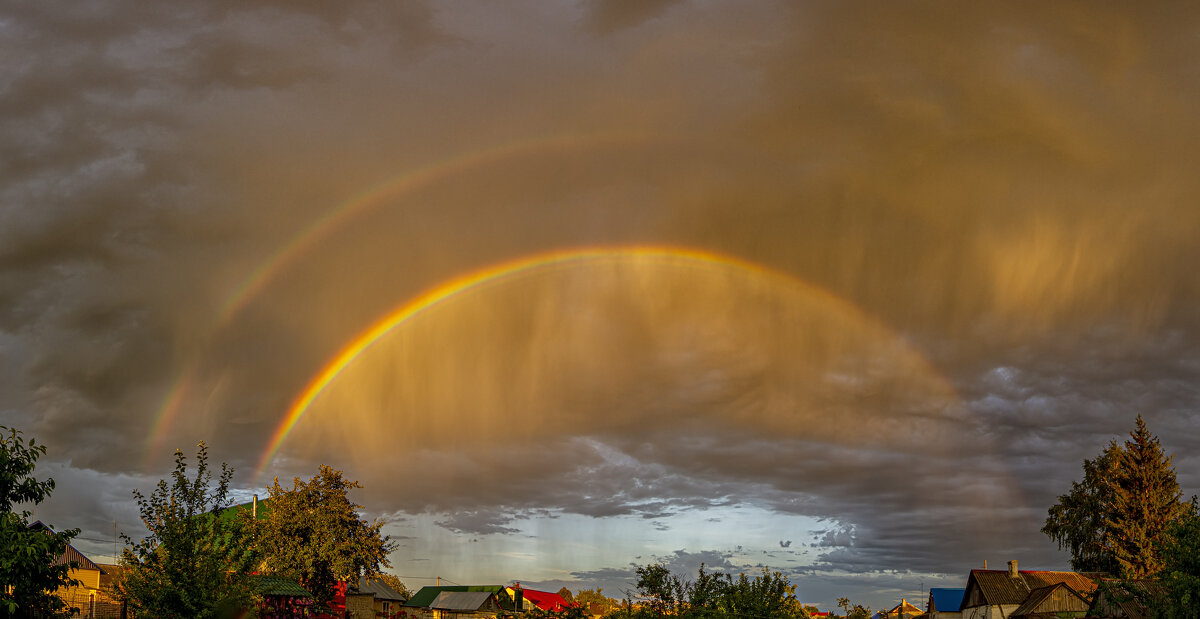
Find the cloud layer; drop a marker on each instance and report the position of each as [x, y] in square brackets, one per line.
[974, 230]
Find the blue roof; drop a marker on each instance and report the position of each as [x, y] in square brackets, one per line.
[947, 599]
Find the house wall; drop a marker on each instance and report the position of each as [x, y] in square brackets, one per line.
[994, 611]
[361, 606]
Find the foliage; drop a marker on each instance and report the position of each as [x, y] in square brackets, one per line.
[395, 583]
[1112, 520]
[313, 534]
[565, 594]
[193, 563]
[768, 594]
[1077, 521]
[1145, 504]
[595, 602]
[27, 578]
[1180, 576]
[853, 611]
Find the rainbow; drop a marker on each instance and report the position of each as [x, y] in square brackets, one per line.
[506, 271]
[410, 181]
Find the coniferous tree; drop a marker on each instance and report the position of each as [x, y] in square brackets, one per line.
[1113, 519]
[1145, 503]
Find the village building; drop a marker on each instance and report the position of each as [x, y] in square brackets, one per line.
[428, 601]
[944, 603]
[1125, 599]
[997, 594]
[903, 610]
[373, 598]
[1057, 601]
[540, 600]
[85, 598]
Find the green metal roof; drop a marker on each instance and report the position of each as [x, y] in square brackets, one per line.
[282, 587]
[426, 595]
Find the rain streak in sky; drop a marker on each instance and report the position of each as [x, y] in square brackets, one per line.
[848, 290]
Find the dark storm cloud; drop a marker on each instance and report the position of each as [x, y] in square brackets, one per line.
[1010, 192]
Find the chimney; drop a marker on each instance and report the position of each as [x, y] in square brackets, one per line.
[1012, 568]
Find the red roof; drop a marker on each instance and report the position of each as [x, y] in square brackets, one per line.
[545, 600]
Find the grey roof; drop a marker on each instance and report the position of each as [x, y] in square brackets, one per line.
[379, 589]
[460, 600]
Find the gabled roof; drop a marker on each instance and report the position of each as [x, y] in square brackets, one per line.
[379, 589]
[1033, 602]
[1120, 599]
[997, 587]
[278, 586]
[544, 600]
[945, 600]
[68, 555]
[427, 595]
[461, 600]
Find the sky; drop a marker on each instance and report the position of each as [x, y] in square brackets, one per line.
[845, 290]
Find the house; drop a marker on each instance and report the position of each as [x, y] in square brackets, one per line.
[944, 603]
[454, 604]
[903, 610]
[996, 594]
[1057, 601]
[541, 600]
[85, 598]
[1125, 599]
[373, 598]
[421, 604]
[282, 597]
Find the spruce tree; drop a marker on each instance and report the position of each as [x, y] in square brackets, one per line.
[1145, 504]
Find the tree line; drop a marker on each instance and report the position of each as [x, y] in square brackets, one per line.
[202, 558]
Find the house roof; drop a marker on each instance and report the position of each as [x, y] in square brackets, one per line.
[1122, 596]
[945, 599]
[428, 594]
[70, 554]
[997, 587]
[461, 600]
[277, 586]
[544, 600]
[379, 589]
[1035, 598]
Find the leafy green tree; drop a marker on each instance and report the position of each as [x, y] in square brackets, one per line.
[27, 578]
[395, 583]
[595, 602]
[313, 533]
[1077, 522]
[1145, 504]
[665, 593]
[193, 563]
[767, 595]
[1111, 521]
[1180, 576]
[853, 611]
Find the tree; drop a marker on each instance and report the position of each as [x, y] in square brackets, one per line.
[1180, 576]
[195, 562]
[1077, 522]
[595, 602]
[1145, 504]
[27, 578]
[718, 595]
[313, 533]
[853, 611]
[565, 594]
[1112, 520]
[395, 583]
